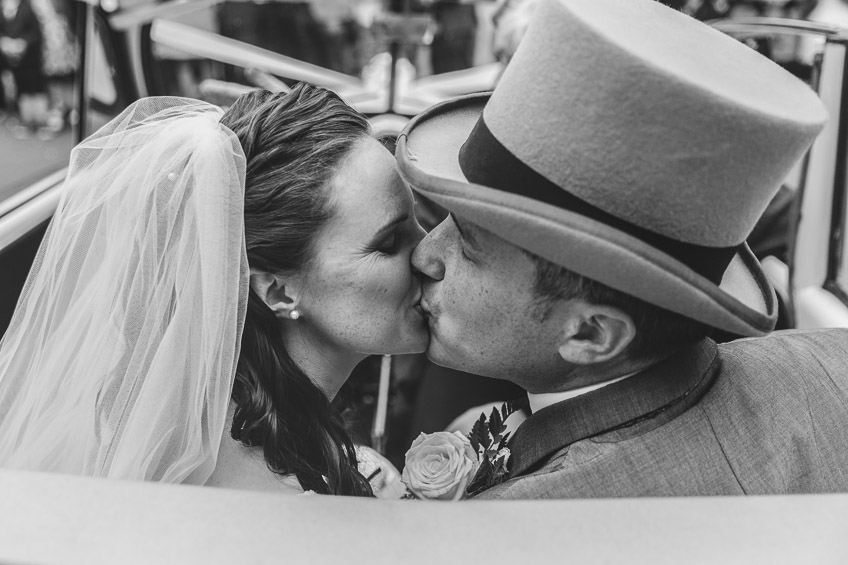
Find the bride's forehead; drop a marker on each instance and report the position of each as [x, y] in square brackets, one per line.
[367, 183]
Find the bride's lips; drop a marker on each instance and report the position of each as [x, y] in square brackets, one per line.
[416, 304]
[423, 308]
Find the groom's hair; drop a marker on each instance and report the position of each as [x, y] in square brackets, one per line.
[658, 331]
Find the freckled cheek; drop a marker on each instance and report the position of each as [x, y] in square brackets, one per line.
[466, 301]
[379, 291]
[391, 284]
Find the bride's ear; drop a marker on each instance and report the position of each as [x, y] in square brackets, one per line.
[274, 292]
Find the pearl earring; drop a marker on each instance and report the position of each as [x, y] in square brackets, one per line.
[295, 314]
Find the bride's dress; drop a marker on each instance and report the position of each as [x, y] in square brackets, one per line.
[241, 467]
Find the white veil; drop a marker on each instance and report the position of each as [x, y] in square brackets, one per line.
[119, 360]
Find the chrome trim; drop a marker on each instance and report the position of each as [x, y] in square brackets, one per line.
[225, 50]
[136, 61]
[760, 26]
[146, 13]
[20, 221]
[31, 192]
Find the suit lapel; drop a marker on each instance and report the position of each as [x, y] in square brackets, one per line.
[676, 383]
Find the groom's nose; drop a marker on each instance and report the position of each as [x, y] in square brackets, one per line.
[427, 257]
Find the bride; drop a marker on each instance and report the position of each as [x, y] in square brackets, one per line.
[207, 284]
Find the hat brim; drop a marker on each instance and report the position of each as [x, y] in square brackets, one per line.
[427, 154]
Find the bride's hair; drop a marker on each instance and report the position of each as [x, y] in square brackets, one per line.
[294, 144]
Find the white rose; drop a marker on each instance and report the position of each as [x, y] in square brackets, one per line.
[439, 466]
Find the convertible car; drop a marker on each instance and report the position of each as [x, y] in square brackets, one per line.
[134, 48]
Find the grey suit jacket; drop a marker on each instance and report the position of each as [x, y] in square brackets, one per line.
[755, 416]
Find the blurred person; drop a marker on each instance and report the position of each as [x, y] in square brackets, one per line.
[180, 73]
[207, 284]
[510, 20]
[20, 52]
[831, 12]
[60, 58]
[453, 43]
[338, 26]
[287, 27]
[702, 9]
[599, 203]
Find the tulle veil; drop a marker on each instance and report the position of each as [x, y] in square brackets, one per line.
[120, 357]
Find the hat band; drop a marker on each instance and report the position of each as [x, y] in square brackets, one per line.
[485, 161]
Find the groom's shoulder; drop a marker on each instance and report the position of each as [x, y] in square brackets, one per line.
[549, 482]
[791, 354]
[613, 466]
[816, 341]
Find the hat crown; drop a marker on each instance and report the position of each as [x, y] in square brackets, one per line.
[647, 124]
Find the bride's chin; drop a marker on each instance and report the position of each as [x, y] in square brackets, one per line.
[417, 340]
[420, 348]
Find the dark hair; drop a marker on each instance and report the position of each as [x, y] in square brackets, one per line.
[658, 331]
[293, 144]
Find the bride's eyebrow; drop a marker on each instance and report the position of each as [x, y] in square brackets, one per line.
[389, 227]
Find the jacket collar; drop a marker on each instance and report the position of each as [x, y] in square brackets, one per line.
[676, 383]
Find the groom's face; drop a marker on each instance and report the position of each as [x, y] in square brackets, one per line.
[478, 295]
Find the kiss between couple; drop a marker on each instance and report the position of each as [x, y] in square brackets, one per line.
[210, 279]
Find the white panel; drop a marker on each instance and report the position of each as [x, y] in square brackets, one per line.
[817, 308]
[810, 261]
[48, 518]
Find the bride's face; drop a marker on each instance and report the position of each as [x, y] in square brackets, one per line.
[359, 293]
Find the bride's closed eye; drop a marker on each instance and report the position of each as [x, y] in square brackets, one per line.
[389, 246]
[403, 236]
[388, 238]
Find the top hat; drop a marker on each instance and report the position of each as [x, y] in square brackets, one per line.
[628, 143]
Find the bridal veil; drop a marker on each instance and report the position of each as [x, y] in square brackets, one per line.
[120, 358]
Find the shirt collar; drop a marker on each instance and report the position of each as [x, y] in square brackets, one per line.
[543, 400]
[669, 388]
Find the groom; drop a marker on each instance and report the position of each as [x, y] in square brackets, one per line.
[600, 200]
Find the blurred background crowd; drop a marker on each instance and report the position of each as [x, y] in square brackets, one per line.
[38, 56]
[39, 51]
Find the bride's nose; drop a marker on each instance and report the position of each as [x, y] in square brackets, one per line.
[427, 257]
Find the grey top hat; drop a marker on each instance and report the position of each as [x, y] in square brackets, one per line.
[631, 144]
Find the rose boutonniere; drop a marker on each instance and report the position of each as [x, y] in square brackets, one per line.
[451, 466]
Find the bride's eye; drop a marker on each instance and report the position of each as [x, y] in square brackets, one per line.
[389, 245]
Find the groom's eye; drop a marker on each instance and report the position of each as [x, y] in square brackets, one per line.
[463, 250]
[466, 240]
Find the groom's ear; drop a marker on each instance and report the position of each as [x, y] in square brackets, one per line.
[274, 292]
[595, 334]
